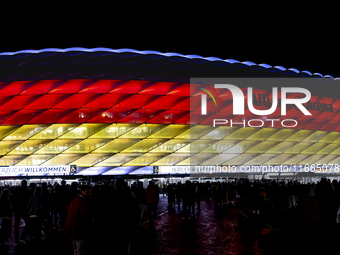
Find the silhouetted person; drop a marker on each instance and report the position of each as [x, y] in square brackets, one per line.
[189, 194]
[179, 194]
[152, 199]
[140, 195]
[79, 223]
[48, 206]
[121, 216]
[207, 191]
[218, 193]
[323, 192]
[199, 193]
[245, 190]
[6, 208]
[35, 213]
[63, 196]
[73, 191]
[21, 197]
[171, 189]
[6, 212]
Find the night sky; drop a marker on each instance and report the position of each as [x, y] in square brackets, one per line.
[303, 47]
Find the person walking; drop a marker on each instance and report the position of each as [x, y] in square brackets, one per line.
[79, 223]
[152, 199]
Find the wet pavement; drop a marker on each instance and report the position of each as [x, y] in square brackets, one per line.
[213, 231]
[210, 232]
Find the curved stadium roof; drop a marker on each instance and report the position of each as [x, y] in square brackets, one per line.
[82, 62]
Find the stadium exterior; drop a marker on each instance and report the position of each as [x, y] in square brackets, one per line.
[126, 112]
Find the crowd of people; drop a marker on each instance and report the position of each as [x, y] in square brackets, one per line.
[280, 194]
[81, 212]
[85, 213]
[252, 197]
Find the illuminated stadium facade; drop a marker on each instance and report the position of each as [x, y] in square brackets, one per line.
[127, 112]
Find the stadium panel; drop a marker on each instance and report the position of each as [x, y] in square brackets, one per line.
[124, 112]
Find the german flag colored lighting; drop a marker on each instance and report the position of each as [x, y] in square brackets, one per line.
[140, 123]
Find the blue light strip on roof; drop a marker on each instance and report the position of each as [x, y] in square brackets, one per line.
[169, 54]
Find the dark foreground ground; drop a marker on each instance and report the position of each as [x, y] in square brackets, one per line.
[222, 231]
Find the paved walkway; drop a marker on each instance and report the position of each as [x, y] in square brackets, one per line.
[210, 232]
[222, 231]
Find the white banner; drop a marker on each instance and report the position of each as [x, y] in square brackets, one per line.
[34, 170]
[174, 169]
